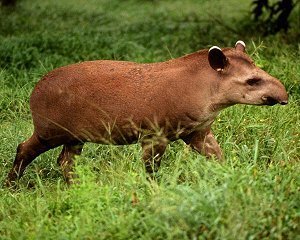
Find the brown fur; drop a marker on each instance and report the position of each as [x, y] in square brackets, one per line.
[114, 102]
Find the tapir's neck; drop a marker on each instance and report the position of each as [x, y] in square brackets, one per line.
[204, 80]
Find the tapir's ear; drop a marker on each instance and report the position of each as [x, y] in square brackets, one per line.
[216, 58]
[240, 46]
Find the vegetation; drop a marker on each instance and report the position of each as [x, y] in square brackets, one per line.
[276, 14]
[255, 194]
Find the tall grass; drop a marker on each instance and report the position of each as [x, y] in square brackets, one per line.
[253, 195]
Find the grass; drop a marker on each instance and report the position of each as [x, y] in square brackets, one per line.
[253, 195]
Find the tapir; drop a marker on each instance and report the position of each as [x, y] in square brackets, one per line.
[120, 102]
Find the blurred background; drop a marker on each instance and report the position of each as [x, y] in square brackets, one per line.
[49, 32]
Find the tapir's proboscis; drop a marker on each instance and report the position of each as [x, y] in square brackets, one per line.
[119, 102]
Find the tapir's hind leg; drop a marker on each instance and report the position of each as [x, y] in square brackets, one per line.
[66, 159]
[26, 153]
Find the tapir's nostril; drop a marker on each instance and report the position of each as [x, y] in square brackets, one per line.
[284, 102]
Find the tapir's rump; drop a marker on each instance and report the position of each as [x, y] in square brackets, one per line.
[115, 102]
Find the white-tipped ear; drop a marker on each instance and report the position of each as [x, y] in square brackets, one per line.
[240, 46]
[216, 58]
[214, 47]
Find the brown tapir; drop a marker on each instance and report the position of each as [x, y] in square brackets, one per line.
[117, 102]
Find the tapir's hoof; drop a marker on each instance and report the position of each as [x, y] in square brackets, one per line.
[74, 180]
[10, 184]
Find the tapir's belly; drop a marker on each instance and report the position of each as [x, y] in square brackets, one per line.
[84, 118]
[98, 124]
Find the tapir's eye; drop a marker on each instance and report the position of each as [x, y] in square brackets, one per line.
[253, 81]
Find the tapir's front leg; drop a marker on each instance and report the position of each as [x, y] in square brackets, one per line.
[153, 149]
[205, 143]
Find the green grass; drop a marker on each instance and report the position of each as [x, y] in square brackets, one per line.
[255, 194]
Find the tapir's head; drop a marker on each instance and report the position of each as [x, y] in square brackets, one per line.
[241, 81]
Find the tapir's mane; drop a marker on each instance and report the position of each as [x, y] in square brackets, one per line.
[237, 55]
[195, 56]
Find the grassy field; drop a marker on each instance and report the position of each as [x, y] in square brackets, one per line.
[255, 194]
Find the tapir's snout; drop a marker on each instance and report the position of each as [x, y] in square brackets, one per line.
[277, 95]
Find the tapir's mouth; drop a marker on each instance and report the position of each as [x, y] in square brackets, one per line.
[269, 101]
[272, 101]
